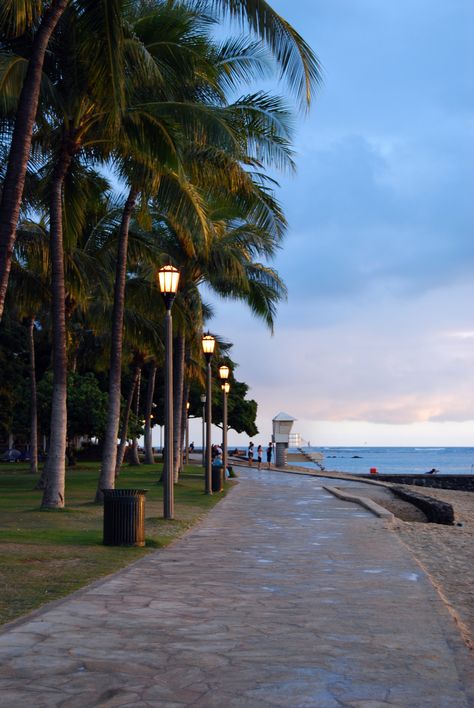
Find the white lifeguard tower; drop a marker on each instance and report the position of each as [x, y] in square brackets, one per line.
[282, 425]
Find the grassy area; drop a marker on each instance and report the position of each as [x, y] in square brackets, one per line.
[45, 555]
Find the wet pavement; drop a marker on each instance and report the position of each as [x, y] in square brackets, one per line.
[283, 596]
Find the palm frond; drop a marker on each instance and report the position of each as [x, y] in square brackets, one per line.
[18, 16]
[241, 61]
[298, 63]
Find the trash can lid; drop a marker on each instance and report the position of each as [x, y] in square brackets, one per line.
[124, 492]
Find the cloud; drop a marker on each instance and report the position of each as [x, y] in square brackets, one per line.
[380, 251]
[393, 363]
[355, 222]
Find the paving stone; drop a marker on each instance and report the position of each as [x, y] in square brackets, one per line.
[283, 596]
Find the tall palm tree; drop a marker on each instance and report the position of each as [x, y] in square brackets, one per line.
[76, 118]
[295, 59]
[149, 456]
[30, 268]
[68, 286]
[163, 113]
[225, 261]
[18, 22]
[143, 338]
[254, 123]
[15, 19]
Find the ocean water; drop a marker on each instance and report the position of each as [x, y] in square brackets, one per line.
[394, 460]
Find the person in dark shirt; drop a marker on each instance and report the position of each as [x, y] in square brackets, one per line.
[269, 455]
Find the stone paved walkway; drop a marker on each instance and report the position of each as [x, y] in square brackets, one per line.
[283, 596]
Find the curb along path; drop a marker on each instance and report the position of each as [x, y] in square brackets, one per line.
[283, 596]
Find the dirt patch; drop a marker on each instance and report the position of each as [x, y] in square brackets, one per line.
[403, 510]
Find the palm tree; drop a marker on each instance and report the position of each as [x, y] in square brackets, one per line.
[148, 157]
[18, 21]
[66, 293]
[75, 117]
[295, 59]
[134, 388]
[30, 277]
[143, 338]
[78, 118]
[149, 456]
[252, 121]
[16, 18]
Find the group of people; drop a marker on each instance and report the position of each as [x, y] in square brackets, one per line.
[251, 453]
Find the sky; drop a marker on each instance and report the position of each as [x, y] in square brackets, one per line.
[375, 344]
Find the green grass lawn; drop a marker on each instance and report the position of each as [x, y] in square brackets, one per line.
[45, 555]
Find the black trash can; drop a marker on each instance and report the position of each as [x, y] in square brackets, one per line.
[217, 478]
[124, 517]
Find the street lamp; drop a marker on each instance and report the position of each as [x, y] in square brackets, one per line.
[168, 280]
[208, 344]
[225, 385]
[203, 401]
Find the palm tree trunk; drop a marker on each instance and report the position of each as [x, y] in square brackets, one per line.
[14, 182]
[135, 459]
[149, 457]
[53, 496]
[33, 400]
[178, 384]
[109, 454]
[184, 420]
[125, 420]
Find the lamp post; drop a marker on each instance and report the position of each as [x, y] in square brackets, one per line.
[168, 279]
[208, 344]
[225, 385]
[186, 455]
[203, 401]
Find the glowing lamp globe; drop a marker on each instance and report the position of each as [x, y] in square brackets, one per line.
[168, 278]
[208, 345]
[224, 373]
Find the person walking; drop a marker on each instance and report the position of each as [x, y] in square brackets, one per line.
[250, 453]
[269, 455]
[259, 457]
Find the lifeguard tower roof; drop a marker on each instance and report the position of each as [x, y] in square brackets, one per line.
[284, 416]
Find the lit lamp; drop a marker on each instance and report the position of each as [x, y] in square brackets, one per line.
[208, 345]
[225, 385]
[224, 372]
[203, 401]
[168, 280]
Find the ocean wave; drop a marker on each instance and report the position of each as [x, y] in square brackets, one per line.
[431, 449]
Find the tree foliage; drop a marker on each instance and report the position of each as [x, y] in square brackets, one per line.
[87, 405]
[145, 92]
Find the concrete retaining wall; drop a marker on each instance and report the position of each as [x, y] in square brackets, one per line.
[461, 482]
[436, 511]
